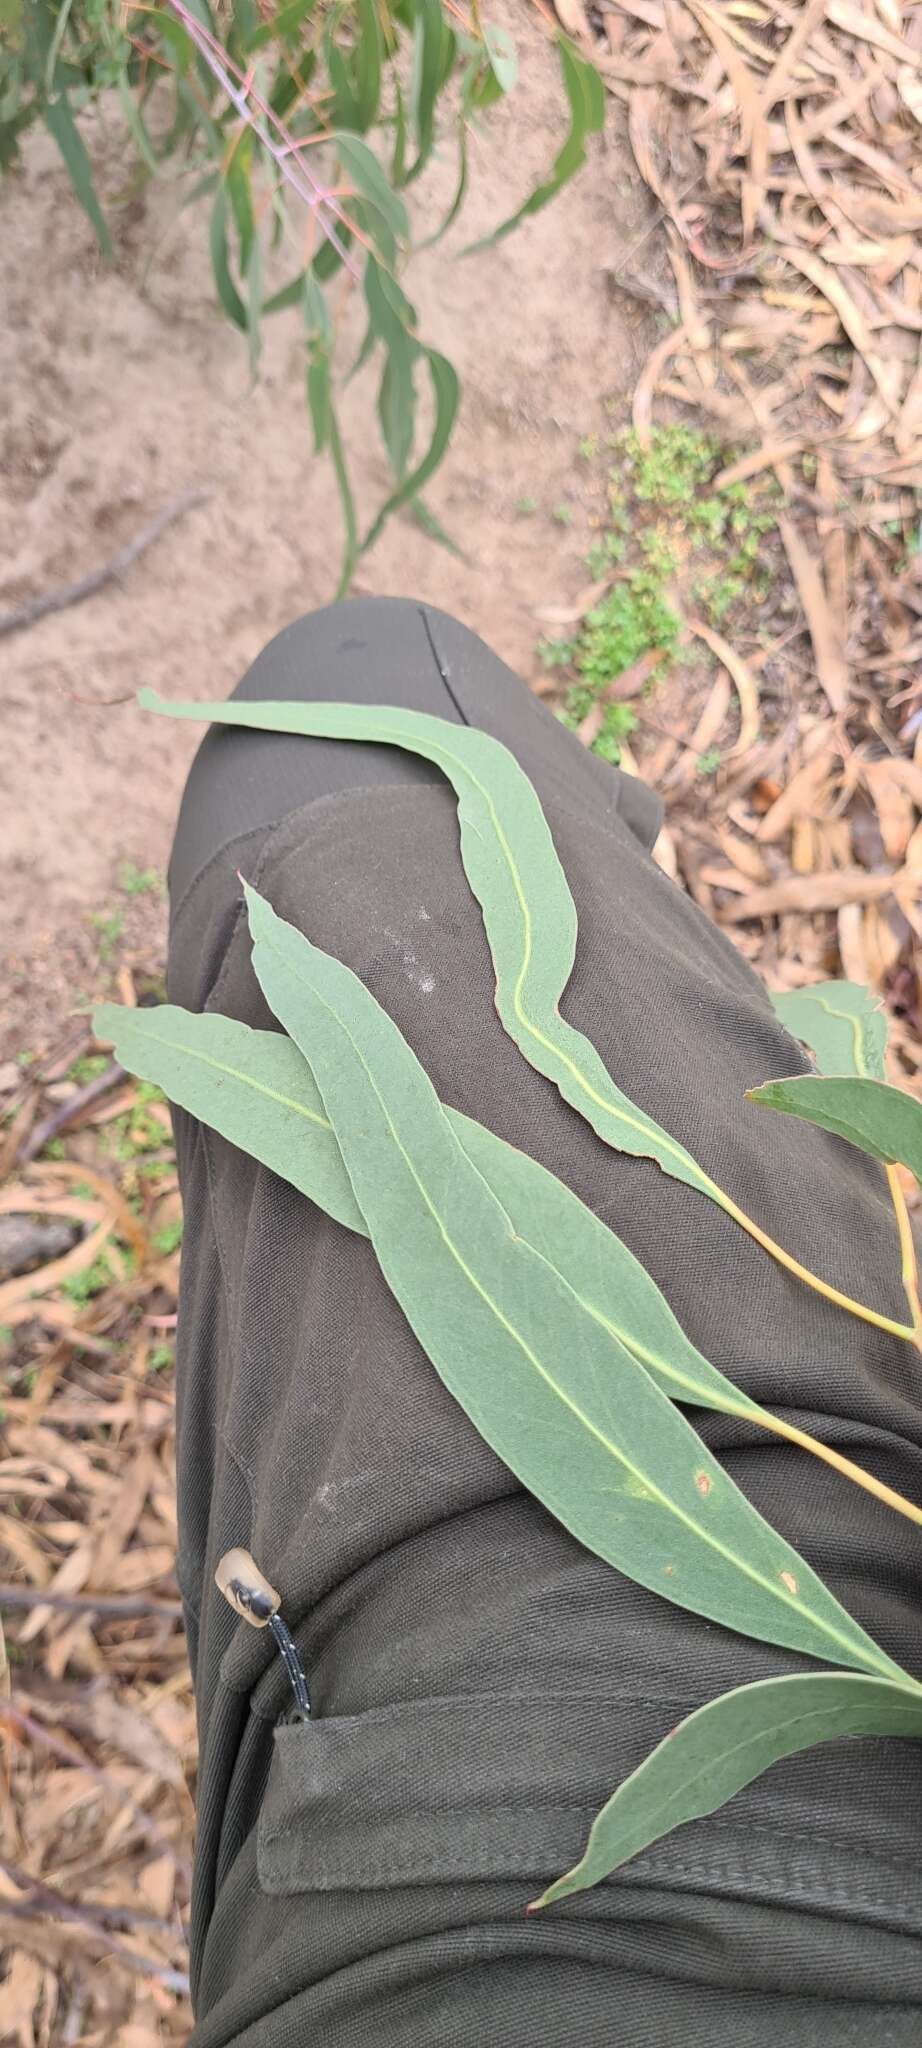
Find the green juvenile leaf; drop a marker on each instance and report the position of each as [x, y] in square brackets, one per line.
[289, 294]
[183, 1053]
[254, 304]
[284, 25]
[425, 78]
[61, 126]
[842, 1023]
[328, 258]
[344, 112]
[225, 1073]
[396, 404]
[723, 1747]
[237, 182]
[884, 1121]
[368, 178]
[318, 396]
[460, 190]
[288, 89]
[513, 869]
[445, 392]
[390, 319]
[136, 128]
[389, 310]
[227, 291]
[557, 1397]
[501, 51]
[347, 503]
[246, 21]
[175, 37]
[434, 529]
[367, 63]
[586, 100]
[252, 1087]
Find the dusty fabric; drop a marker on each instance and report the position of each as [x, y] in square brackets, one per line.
[480, 1682]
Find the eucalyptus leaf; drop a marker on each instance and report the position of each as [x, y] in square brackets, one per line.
[254, 304]
[253, 1087]
[560, 1400]
[284, 25]
[237, 182]
[445, 393]
[426, 77]
[221, 1071]
[501, 51]
[61, 126]
[512, 866]
[884, 1121]
[367, 58]
[368, 178]
[226, 288]
[724, 1746]
[843, 1024]
[586, 99]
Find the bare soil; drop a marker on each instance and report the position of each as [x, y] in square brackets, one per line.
[124, 386]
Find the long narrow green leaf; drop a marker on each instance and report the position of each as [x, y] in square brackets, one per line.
[514, 872]
[226, 288]
[434, 530]
[368, 178]
[367, 62]
[586, 99]
[560, 1400]
[884, 1121]
[396, 405]
[723, 1747]
[344, 112]
[237, 182]
[843, 1024]
[399, 157]
[445, 393]
[318, 396]
[220, 1070]
[501, 50]
[254, 304]
[61, 126]
[253, 1087]
[460, 189]
[135, 124]
[284, 25]
[425, 78]
[391, 318]
[289, 294]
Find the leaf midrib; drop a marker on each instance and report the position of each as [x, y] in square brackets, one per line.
[611, 1109]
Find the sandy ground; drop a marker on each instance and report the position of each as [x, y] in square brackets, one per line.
[124, 386]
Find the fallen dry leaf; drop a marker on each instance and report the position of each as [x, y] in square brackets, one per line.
[827, 633]
[813, 892]
[892, 803]
[746, 687]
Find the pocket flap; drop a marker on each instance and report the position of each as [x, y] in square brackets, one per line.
[477, 1787]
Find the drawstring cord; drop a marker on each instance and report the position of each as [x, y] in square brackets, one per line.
[248, 1592]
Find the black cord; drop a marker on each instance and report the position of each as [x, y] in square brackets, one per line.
[292, 1665]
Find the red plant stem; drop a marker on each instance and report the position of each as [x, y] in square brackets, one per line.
[319, 200]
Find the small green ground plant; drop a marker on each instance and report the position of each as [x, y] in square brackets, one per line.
[305, 128]
[552, 1337]
[671, 542]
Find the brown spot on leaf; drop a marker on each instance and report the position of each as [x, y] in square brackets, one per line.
[702, 1482]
